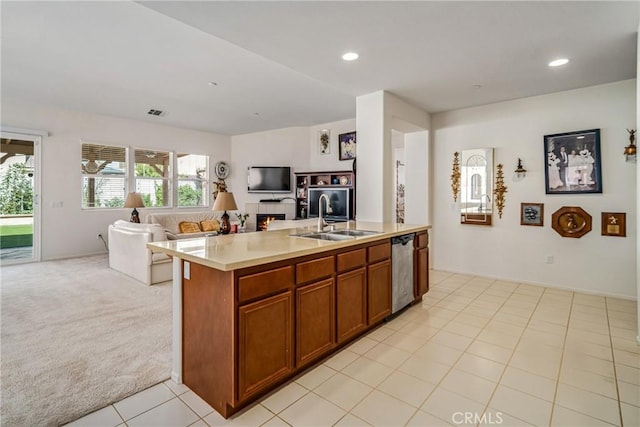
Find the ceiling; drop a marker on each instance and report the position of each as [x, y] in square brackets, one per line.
[278, 64]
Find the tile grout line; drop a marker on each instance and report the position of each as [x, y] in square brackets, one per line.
[564, 344]
[613, 359]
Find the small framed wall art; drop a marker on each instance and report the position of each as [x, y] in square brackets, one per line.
[532, 214]
[347, 145]
[324, 141]
[614, 224]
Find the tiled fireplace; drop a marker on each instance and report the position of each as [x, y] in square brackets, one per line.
[282, 208]
[263, 220]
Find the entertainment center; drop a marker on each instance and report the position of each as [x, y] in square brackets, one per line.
[338, 185]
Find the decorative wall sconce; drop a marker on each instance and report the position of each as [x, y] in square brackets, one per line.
[520, 171]
[499, 190]
[630, 150]
[455, 176]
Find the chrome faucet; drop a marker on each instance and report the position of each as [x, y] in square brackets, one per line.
[321, 222]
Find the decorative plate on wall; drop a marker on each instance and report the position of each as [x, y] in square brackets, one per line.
[571, 221]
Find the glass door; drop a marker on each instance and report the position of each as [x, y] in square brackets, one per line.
[19, 189]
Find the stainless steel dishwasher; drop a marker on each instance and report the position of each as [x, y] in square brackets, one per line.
[401, 272]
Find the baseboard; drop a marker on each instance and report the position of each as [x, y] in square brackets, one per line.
[564, 288]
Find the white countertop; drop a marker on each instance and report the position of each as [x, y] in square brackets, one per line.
[234, 251]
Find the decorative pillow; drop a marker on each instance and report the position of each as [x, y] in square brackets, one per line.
[189, 227]
[210, 225]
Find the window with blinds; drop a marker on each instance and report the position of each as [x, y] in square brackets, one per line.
[152, 171]
[104, 176]
[193, 176]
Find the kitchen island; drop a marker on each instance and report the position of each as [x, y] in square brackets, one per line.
[252, 310]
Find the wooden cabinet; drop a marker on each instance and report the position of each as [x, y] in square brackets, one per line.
[329, 180]
[264, 343]
[421, 265]
[379, 291]
[351, 302]
[246, 331]
[315, 320]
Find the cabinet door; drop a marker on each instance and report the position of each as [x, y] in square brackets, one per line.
[264, 343]
[379, 291]
[351, 302]
[422, 272]
[315, 320]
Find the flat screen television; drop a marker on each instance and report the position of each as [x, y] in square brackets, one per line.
[340, 203]
[269, 179]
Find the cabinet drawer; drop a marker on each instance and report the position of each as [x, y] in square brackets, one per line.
[379, 252]
[314, 269]
[353, 259]
[422, 240]
[264, 283]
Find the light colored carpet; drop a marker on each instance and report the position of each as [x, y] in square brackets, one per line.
[77, 336]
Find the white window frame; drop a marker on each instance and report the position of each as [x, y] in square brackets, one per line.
[126, 177]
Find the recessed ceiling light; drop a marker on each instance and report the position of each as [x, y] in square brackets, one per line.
[350, 56]
[476, 86]
[558, 62]
[212, 84]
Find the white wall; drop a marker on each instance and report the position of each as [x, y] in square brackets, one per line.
[508, 250]
[330, 162]
[69, 230]
[417, 178]
[281, 147]
[377, 115]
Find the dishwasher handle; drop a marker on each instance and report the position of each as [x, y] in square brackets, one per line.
[403, 240]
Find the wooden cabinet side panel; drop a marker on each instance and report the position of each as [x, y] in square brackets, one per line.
[264, 347]
[351, 303]
[379, 291]
[422, 272]
[315, 320]
[207, 335]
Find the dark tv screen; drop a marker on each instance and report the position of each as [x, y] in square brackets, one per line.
[269, 179]
[339, 198]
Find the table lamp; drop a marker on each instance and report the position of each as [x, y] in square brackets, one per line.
[134, 200]
[225, 202]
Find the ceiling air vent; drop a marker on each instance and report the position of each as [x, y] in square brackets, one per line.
[154, 112]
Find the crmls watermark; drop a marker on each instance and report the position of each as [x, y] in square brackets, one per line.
[474, 418]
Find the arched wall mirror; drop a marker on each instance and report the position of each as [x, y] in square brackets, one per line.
[476, 176]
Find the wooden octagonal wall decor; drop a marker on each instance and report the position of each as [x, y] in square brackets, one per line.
[571, 221]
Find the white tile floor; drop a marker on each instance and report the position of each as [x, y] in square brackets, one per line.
[475, 352]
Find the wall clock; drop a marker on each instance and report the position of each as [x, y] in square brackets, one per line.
[571, 221]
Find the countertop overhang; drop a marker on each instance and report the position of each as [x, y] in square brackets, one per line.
[240, 250]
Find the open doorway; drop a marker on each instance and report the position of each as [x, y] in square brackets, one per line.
[19, 210]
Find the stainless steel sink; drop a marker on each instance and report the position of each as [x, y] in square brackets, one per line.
[324, 236]
[355, 233]
[337, 234]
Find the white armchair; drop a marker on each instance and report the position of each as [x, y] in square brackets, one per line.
[128, 252]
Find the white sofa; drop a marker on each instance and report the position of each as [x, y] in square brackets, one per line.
[128, 252]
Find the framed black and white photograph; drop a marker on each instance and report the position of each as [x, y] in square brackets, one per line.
[532, 214]
[347, 145]
[573, 162]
